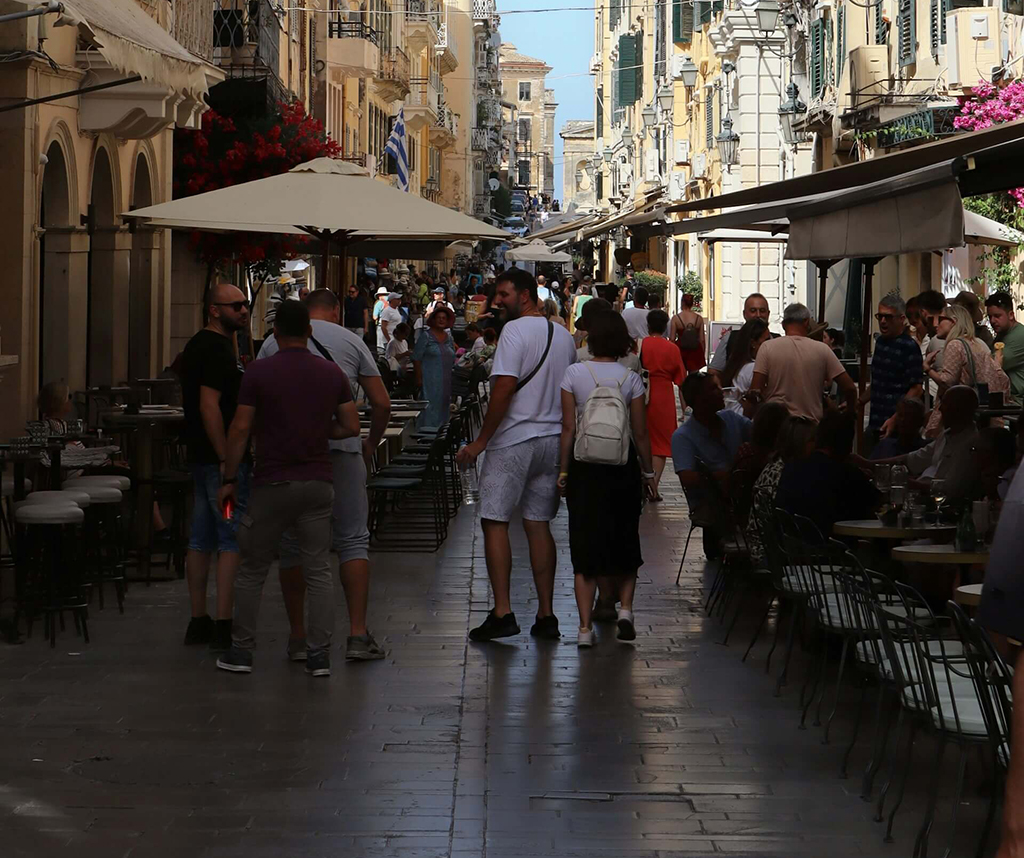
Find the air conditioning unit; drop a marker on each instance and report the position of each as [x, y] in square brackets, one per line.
[869, 74]
[651, 166]
[677, 66]
[972, 45]
[682, 151]
[595, 64]
[677, 186]
[699, 165]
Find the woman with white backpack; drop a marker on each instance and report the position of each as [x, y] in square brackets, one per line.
[604, 447]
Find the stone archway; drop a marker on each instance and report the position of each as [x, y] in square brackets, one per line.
[109, 261]
[142, 298]
[62, 262]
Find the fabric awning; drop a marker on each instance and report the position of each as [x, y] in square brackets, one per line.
[135, 44]
[536, 251]
[561, 229]
[979, 229]
[757, 233]
[866, 172]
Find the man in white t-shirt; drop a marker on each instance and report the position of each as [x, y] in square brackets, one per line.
[635, 317]
[390, 318]
[521, 436]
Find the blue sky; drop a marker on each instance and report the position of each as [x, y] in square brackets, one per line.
[565, 41]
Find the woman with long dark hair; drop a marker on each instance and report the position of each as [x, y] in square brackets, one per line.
[739, 366]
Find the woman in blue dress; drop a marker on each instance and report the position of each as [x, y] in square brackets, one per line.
[433, 359]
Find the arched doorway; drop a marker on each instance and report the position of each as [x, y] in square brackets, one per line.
[54, 261]
[144, 277]
[109, 258]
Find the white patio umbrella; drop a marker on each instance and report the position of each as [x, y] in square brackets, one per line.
[537, 251]
[332, 200]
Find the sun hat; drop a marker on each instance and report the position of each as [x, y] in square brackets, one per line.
[383, 290]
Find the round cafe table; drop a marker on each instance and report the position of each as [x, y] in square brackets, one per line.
[872, 528]
[939, 554]
[968, 595]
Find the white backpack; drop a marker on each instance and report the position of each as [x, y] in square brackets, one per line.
[602, 428]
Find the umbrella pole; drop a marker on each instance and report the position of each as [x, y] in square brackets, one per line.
[823, 267]
[325, 256]
[865, 346]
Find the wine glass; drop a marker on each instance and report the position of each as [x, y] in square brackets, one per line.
[938, 492]
[898, 476]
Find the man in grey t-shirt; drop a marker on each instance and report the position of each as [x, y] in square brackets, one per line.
[351, 539]
[755, 307]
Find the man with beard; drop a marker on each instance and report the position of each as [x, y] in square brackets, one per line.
[521, 435]
[211, 376]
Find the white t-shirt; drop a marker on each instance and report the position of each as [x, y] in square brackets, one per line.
[536, 409]
[636, 321]
[393, 318]
[740, 385]
[394, 351]
[579, 380]
[478, 345]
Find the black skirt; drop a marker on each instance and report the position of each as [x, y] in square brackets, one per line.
[604, 503]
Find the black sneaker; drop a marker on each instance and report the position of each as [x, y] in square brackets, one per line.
[221, 640]
[200, 630]
[495, 627]
[236, 660]
[318, 663]
[546, 628]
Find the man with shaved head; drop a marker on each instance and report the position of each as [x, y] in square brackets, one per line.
[211, 376]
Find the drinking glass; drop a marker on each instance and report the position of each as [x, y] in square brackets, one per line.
[938, 492]
[882, 475]
[898, 476]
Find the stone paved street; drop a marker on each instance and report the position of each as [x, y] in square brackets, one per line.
[136, 746]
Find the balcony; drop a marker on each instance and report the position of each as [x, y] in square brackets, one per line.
[422, 18]
[351, 50]
[485, 12]
[392, 79]
[481, 139]
[444, 132]
[247, 39]
[432, 189]
[421, 107]
[193, 27]
[445, 48]
[481, 205]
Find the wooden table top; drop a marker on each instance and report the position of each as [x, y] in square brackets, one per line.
[968, 594]
[872, 528]
[938, 554]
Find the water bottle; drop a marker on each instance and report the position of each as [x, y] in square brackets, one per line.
[966, 535]
[470, 485]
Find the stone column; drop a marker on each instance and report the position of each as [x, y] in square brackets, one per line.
[109, 305]
[144, 304]
[63, 303]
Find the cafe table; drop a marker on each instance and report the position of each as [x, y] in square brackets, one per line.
[148, 422]
[872, 528]
[945, 554]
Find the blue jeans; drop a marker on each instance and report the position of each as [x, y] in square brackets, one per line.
[210, 532]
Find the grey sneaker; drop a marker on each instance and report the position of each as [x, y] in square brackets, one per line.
[236, 660]
[296, 649]
[318, 663]
[363, 648]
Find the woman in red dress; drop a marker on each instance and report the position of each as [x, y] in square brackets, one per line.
[688, 334]
[663, 363]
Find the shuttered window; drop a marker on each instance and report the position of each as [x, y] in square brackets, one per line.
[881, 28]
[841, 42]
[704, 11]
[682, 21]
[830, 53]
[709, 120]
[627, 70]
[906, 24]
[614, 13]
[600, 184]
[638, 73]
[817, 65]
[937, 23]
[599, 129]
[945, 6]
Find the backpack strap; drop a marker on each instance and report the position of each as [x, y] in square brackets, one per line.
[598, 383]
[320, 348]
[543, 357]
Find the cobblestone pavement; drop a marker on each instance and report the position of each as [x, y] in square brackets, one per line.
[134, 745]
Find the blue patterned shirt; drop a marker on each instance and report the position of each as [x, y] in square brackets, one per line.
[895, 368]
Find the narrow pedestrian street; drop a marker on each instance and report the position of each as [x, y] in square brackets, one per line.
[134, 745]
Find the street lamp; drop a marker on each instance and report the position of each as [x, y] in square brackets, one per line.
[728, 143]
[608, 155]
[579, 178]
[790, 112]
[627, 138]
[650, 117]
[666, 96]
[767, 12]
[688, 72]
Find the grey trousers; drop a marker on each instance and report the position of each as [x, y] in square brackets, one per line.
[304, 507]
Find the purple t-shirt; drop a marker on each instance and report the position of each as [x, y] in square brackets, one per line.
[296, 395]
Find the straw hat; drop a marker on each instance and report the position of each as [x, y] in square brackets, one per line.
[383, 290]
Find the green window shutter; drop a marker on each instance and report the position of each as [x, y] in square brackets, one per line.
[638, 74]
[830, 53]
[880, 27]
[906, 22]
[841, 44]
[945, 6]
[717, 6]
[599, 129]
[627, 70]
[709, 121]
[600, 184]
[701, 12]
[933, 25]
[817, 65]
[682, 21]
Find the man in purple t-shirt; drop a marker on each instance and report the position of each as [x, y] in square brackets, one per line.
[292, 404]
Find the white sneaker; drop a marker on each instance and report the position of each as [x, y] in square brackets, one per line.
[585, 638]
[627, 631]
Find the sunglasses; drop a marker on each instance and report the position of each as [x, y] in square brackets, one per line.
[945, 319]
[236, 306]
[885, 317]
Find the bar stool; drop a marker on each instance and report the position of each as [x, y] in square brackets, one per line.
[113, 481]
[104, 539]
[79, 498]
[6, 514]
[48, 570]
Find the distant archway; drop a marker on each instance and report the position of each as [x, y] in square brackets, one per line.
[55, 219]
[103, 312]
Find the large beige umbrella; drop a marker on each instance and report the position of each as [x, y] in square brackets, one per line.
[537, 251]
[332, 200]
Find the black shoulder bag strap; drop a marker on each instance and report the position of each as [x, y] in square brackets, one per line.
[525, 381]
[320, 348]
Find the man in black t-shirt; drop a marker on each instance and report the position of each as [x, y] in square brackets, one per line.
[211, 376]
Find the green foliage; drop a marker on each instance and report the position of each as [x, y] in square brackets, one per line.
[653, 281]
[1000, 272]
[689, 284]
[502, 201]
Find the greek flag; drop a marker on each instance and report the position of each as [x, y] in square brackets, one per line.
[396, 148]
